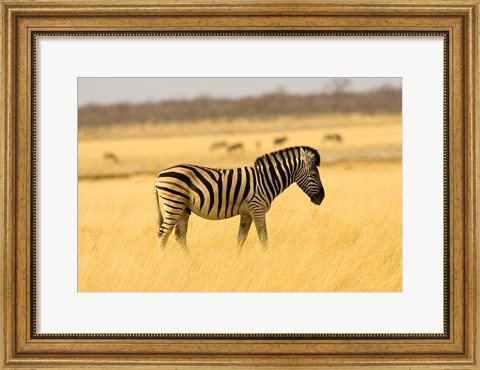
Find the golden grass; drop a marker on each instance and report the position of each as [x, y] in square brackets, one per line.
[350, 243]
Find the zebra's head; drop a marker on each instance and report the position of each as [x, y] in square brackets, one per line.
[307, 176]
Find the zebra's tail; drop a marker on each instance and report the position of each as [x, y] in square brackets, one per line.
[159, 212]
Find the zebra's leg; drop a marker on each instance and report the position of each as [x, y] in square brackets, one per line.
[181, 229]
[163, 234]
[261, 227]
[162, 227]
[245, 222]
[171, 216]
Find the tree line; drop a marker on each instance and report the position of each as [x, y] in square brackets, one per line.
[280, 103]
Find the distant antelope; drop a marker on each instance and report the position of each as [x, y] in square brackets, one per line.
[111, 156]
[333, 137]
[235, 147]
[217, 194]
[280, 140]
[218, 145]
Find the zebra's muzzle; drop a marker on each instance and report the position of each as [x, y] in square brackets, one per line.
[318, 198]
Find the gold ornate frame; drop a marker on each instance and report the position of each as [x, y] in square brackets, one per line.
[22, 20]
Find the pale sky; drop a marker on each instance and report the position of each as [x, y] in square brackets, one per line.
[104, 91]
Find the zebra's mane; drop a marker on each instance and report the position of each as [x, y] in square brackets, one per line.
[309, 150]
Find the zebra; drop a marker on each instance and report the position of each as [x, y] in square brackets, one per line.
[217, 194]
[333, 137]
[218, 145]
[111, 156]
[280, 140]
[235, 147]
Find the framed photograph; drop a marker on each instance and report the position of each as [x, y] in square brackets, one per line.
[240, 185]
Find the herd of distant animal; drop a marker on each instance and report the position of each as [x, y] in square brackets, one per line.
[277, 141]
[238, 146]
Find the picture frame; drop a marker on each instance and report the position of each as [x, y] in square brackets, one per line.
[458, 347]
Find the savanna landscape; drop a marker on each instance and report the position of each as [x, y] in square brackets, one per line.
[352, 242]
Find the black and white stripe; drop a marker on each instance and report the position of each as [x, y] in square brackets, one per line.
[218, 194]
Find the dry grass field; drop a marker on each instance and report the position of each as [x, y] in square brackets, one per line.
[350, 243]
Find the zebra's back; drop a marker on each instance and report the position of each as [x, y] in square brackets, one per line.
[210, 193]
